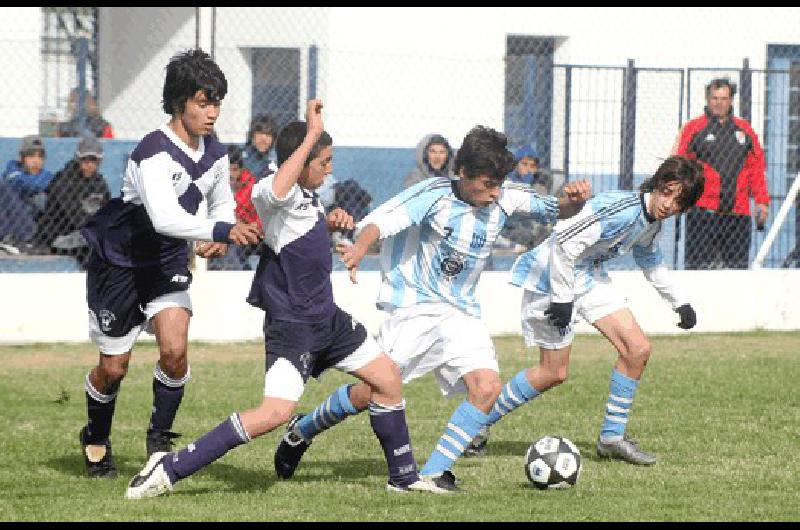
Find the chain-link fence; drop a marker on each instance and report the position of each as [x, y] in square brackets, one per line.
[611, 124]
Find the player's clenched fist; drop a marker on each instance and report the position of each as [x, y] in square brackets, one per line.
[339, 219]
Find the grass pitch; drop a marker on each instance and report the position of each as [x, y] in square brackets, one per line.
[722, 411]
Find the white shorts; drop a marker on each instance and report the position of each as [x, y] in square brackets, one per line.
[437, 337]
[598, 302]
[119, 345]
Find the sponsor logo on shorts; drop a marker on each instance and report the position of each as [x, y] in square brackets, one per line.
[106, 317]
[305, 360]
[179, 278]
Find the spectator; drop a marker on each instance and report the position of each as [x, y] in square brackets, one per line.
[77, 191]
[238, 257]
[522, 232]
[17, 223]
[260, 138]
[94, 123]
[718, 229]
[27, 175]
[434, 158]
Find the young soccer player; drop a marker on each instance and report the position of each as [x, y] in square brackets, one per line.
[138, 274]
[563, 278]
[305, 332]
[437, 236]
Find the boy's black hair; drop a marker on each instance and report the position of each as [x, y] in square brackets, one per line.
[484, 152]
[187, 73]
[290, 138]
[686, 171]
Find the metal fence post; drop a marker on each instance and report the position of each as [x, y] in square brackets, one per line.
[628, 128]
[746, 90]
[313, 52]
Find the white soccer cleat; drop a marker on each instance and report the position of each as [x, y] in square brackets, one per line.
[151, 481]
[422, 484]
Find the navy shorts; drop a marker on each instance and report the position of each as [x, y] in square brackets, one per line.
[118, 295]
[313, 348]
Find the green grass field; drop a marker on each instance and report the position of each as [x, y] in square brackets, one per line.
[722, 411]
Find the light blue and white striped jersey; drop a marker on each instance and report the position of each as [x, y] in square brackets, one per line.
[435, 245]
[609, 225]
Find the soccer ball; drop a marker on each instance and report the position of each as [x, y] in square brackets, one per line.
[553, 462]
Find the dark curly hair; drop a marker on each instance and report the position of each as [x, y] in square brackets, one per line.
[484, 151]
[686, 171]
[187, 73]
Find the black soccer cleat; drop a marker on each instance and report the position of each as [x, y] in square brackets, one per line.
[99, 459]
[625, 449]
[446, 481]
[160, 441]
[290, 450]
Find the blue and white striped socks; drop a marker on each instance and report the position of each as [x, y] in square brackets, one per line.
[620, 399]
[515, 393]
[335, 409]
[462, 427]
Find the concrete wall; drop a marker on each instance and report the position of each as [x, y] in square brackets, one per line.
[52, 307]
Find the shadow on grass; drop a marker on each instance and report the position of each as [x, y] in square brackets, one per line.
[73, 466]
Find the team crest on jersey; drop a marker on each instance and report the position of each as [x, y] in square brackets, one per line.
[176, 178]
[452, 265]
[106, 317]
[740, 137]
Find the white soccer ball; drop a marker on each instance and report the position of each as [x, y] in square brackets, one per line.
[553, 462]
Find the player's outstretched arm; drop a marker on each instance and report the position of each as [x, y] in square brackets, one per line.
[353, 254]
[288, 172]
[575, 196]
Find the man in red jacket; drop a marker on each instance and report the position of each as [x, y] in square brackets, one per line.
[718, 228]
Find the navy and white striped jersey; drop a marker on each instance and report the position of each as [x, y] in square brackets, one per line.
[293, 279]
[609, 225]
[165, 181]
[436, 245]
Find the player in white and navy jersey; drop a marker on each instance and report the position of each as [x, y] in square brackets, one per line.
[305, 332]
[138, 275]
[437, 236]
[564, 278]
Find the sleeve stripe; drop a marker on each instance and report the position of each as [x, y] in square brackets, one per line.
[594, 218]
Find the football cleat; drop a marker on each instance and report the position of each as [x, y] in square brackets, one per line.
[160, 441]
[477, 447]
[290, 449]
[99, 459]
[625, 449]
[425, 484]
[445, 480]
[151, 481]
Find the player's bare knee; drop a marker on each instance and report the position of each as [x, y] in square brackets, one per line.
[360, 395]
[639, 353]
[174, 362]
[112, 371]
[486, 389]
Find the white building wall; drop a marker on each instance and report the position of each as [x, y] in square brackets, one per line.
[725, 301]
[21, 63]
[391, 74]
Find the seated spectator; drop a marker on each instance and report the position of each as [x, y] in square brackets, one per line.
[27, 175]
[77, 191]
[434, 158]
[260, 138]
[242, 181]
[17, 224]
[521, 231]
[94, 123]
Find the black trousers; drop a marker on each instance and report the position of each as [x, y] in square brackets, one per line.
[716, 241]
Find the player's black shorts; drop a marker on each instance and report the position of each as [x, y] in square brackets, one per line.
[313, 348]
[118, 295]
